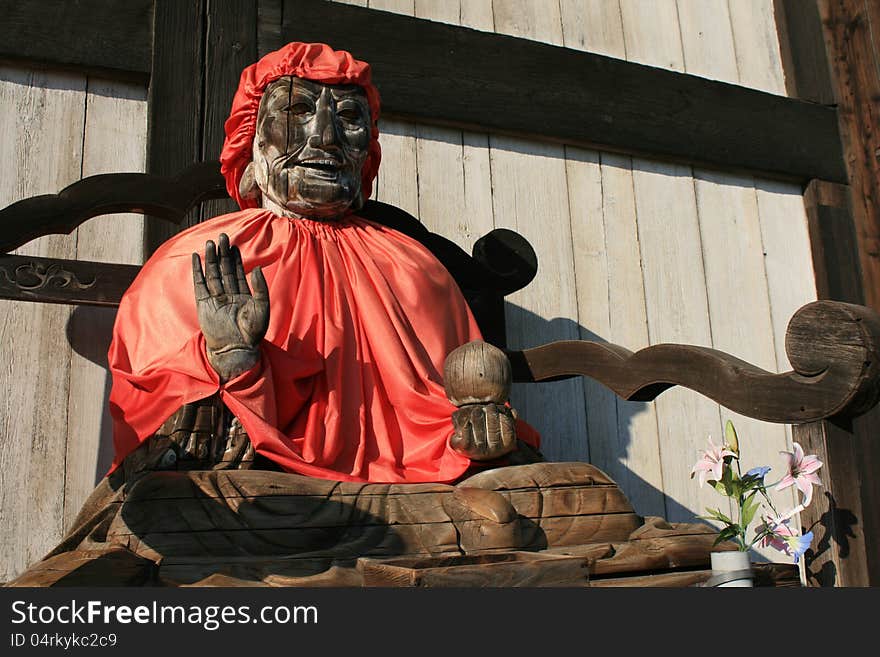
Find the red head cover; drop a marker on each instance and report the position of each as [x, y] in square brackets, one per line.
[311, 61]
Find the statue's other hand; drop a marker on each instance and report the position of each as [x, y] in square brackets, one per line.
[233, 316]
[483, 431]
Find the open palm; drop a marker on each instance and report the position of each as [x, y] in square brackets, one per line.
[233, 318]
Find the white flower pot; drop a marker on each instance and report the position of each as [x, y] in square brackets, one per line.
[732, 568]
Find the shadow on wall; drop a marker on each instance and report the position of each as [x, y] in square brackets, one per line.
[89, 330]
[605, 434]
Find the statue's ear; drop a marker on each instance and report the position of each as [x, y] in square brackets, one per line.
[247, 186]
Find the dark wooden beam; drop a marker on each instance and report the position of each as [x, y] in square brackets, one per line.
[849, 29]
[105, 36]
[174, 101]
[436, 73]
[833, 242]
[840, 552]
[230, 46]
[800, 34]
[828, 56]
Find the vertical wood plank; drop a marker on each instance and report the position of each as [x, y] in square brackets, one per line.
[41, 136]
[529, 19]
[730, 235]
[757, 45]
[739, 305]
[115, 140]
[804, 62]
[638, 450]
[830, 56]
[651, 33]
[850, 39]
[707, 39]
[398, 183]
[269, 17]
[677, 311]
[174, 101]
[611, 295]
[230, 46]
[787, 257]
[675, 292]
[530, 195]
[594, 26]
[838, 554]
[454, 179]
[584, 182]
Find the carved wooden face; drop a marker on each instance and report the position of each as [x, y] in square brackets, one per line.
[311, 143]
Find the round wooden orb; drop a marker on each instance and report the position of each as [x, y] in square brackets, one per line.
[477, 373]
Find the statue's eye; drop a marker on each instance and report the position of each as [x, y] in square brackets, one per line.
[300, 108]
[349, 114]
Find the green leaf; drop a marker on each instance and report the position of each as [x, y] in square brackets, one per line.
[727, 534]
[750, 506]
[731, 482]
[730, 437]
[715, 514]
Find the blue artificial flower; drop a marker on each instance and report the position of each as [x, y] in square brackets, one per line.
[799, 544]
[758, 473]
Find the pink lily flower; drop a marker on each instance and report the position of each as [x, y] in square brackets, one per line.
[711, 462]
[801, 472]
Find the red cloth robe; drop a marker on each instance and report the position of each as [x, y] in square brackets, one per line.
[349, 385]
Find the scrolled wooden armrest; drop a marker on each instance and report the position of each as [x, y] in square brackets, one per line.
[833, 348]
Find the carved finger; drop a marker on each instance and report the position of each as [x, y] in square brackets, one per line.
[261, 301]
[212, 270]
[227, 266]
[199, 279]
[462, 440]
[491, 426]
[258, 285]
[240, 278]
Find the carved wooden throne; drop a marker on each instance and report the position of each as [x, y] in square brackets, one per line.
[532, 524]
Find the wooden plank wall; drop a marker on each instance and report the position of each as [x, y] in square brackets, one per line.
[55, 441]
[631, 251]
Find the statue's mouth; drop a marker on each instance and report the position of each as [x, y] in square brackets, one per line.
[322, 167]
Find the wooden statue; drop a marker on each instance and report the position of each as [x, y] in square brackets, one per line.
[337, 419]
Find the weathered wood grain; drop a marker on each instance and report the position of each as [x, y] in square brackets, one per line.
[268, 26]
[114, 139]
[117, 566]
[230, 46]
[838, 555]
[672, 128]
[676, 307]
[758, 59]
[495, 570]
[637, 452]
[851, 43]
[730, 237]
[830, 344]
[807, 73]
[530, 194]
[175, 100]
[610, 289]
[41, 137]
[105, 36]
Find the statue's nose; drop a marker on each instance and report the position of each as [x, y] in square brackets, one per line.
[325, 133]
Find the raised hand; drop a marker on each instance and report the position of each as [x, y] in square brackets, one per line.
[232, 317]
